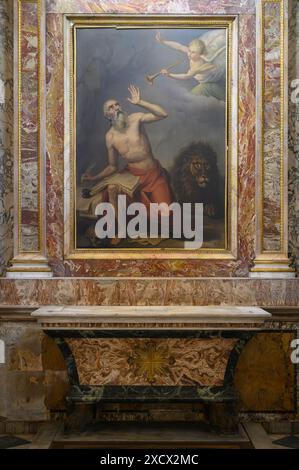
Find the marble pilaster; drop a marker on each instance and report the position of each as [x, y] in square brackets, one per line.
[29, 141]
[271, 141]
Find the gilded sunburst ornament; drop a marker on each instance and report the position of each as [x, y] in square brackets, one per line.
[151, 360]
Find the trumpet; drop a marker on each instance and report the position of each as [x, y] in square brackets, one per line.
[150, 78]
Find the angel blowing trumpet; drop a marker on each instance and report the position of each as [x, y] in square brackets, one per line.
[208, 69]
[150, 78]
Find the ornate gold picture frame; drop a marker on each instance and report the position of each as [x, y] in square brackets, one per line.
[82, 33]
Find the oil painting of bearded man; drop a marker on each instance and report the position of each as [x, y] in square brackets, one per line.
[142, 135]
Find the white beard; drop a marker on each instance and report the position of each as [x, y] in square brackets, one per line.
[121, 121]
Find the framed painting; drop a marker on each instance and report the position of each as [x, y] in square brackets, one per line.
[150, 119]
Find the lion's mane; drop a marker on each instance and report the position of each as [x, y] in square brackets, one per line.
[186, 187]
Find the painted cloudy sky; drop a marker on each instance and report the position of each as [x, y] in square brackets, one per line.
[108, 60]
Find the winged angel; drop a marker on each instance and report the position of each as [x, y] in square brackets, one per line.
[207, 59]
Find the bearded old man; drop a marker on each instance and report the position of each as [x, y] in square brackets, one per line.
[127, 138]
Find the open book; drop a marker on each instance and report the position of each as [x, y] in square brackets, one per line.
[126, 182]
[87, 206]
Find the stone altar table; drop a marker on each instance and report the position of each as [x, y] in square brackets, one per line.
[153, 353]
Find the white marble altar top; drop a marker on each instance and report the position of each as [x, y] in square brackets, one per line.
[60, 315]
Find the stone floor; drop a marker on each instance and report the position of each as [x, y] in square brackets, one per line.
[142, 436]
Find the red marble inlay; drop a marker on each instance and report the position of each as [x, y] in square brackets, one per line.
[29, 217]
[246, 154]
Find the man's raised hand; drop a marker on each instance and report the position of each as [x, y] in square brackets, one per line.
[135, 94]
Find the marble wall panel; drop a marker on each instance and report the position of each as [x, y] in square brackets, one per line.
[271, 111]
[151, 6]
[263, 387]
[246, 144]
[22, 397]
[294, 133]
[6, 133]
[201, 291]
[28, 125]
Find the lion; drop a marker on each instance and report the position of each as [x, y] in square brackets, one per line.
[195, 178]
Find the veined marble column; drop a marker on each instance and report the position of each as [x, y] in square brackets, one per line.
[29, 144]
[272, 141]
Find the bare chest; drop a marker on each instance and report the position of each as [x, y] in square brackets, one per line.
[122, 140]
